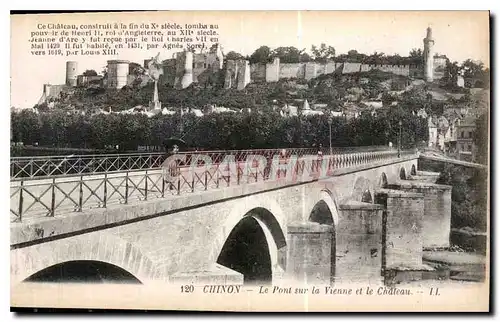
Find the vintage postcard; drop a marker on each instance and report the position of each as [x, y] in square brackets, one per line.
[291, 161]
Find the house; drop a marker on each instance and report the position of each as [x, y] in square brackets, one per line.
[422, 113]
[306, 110]
[289, 110]
[433, 132]
[450, 138]
[465, 139]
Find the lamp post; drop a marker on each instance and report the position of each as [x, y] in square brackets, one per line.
[330, 121]
[399, 139]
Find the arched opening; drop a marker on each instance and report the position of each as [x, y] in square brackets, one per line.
[247, 249]
[383, 181]
[402, 174]
[413, 170]
[366, 197]
[361, 186]
[321, 214]
[83, 272]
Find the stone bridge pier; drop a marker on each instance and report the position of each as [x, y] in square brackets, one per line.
[377, 234]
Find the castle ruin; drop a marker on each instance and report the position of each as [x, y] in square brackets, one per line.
[186, 68]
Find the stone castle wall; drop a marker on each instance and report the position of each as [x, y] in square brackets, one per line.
[53, 91]
[274, 71]
[175, 70]
[291, 71]
[258, 72]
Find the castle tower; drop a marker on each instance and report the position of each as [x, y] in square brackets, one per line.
[117, 73]
[45, 94]
[187, 78]
[429, 56]
[71, 73]
[220, 56]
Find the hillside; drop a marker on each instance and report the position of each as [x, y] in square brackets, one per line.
[331, 89]
[350, 93]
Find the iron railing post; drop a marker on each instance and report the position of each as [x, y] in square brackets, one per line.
[21, 201]
[217, 182]
[80, 195]
[53, 201]
[237, 173]
[105, 199]
[126, 187]
[146, 186]
[162, 186]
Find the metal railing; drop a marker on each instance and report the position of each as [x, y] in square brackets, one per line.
[50, 196]
[49, 166]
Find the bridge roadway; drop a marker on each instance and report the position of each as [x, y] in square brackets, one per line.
[70, 193]
[440, 158]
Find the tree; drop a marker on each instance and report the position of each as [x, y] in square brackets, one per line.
[104, 72]
[472, 69]
[305, 57]
[261, 55]
[323, 53]
[136, 69]
[89, 72]
[476, 74]
[354, 57]
[232, 55]
[416, 56]
[375, 58]
[288, 55]
[450, 76]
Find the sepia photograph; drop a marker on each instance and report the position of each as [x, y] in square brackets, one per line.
[250, 161]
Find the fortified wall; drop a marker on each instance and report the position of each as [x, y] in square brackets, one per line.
[239, 73]
[50, 92]
[185, 68]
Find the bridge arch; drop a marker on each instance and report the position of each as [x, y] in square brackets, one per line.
[325, 212]
[324, 209]
[413, 171]
[107, 250]
[402, 173]
[87, 271]
[252, 241]
[383, 183]
[367, 197]
[362, 190]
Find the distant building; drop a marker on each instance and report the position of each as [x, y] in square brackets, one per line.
[465, 132]
[422, 113]
[83, 80]
[433, 132]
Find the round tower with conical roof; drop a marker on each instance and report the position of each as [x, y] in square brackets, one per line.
[429, 56]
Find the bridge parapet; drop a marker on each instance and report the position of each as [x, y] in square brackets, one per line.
[35, 197]
[49, 166]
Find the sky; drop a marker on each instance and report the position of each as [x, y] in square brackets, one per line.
[458, 34]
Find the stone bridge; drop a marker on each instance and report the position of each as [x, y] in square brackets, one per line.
[362, 222]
